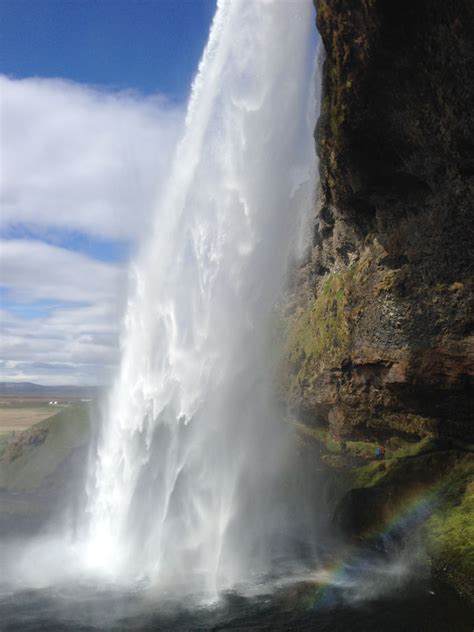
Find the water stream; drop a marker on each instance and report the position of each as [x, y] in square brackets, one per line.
[189, 442]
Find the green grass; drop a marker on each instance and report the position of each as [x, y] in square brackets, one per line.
[28, 465]
[370, 474]
[5, 439]
[318, 434]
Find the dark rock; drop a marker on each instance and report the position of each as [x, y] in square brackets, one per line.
[394, 236]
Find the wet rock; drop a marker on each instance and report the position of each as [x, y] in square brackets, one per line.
[386, 344]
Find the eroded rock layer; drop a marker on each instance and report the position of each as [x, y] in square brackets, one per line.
[385, 345]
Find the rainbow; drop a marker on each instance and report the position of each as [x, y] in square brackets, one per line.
[414, 509]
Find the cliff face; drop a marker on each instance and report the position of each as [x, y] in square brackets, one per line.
[386, 345]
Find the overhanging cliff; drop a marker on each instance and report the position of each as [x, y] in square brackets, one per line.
[386, 346]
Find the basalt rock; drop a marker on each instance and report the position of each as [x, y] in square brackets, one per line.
[386, 344]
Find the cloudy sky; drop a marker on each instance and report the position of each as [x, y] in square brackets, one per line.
[92, 97]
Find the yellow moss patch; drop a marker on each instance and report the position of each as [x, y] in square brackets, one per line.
[386, 282]
[319, 337]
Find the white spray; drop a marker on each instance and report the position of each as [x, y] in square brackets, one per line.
[187, 444]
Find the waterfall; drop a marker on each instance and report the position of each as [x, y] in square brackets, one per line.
[180, 486]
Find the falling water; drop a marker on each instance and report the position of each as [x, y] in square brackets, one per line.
[185, 487]
[189, 441]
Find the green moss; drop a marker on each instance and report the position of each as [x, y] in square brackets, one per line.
[370, 474]
[334, 461]
[323, 9]
[450, 531]
[319, 337]
[320, 435]
[411, 423]
[396, 448]
[357, 458]
[362, 449]
[402, 449]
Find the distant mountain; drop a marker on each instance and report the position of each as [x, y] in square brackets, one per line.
[31, 389]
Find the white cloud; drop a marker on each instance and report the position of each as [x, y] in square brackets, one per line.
[79, 158]
[47, 351]
[78, 345]
[76, 341]
[34, 271]
[73, 158]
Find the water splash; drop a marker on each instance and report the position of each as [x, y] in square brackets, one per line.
[188, 444]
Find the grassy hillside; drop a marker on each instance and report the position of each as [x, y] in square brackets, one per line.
[42, 471]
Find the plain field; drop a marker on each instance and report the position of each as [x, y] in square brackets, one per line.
[19, 413]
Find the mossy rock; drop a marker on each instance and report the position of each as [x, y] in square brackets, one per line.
[450, 531]
[318, 337]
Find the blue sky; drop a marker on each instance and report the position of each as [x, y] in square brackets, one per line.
[151, 45]
[93, 96]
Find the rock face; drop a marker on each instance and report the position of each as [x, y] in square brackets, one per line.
[385, 345]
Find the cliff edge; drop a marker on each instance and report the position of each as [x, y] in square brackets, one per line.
[379, 325]
[386, 344]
